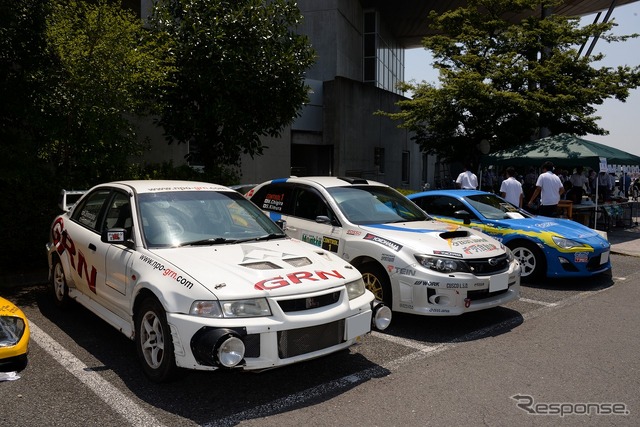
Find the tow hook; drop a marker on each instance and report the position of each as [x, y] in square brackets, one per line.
[467, 302]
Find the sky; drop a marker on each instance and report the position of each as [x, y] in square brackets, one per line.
[619, 118]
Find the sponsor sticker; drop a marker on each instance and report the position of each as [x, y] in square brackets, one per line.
[388, 243]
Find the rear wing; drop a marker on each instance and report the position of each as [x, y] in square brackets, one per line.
[68, 198]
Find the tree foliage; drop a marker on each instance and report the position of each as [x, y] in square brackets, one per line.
[107, 71]
[507, 72]
[240, 74]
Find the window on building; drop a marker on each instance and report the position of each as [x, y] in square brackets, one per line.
[378, 159]
[383, 58]
[406, 166]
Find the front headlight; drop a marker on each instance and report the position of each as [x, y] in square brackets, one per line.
[255, 307]
[355, 288]
[11, 330]
[566, 243]
[442, 265]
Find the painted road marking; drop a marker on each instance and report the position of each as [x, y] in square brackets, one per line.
[535, 301]
[108, 393]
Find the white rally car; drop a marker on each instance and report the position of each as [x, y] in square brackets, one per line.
[200, 278]
[411, 262]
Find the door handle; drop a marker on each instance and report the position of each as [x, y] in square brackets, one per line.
[291, 228]
[92, 247]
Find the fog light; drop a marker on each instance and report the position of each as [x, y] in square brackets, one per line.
[381, 316]
[230, 351]
[439, 300]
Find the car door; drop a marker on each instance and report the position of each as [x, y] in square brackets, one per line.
[118, 257]
[83, 244]
[313, 221]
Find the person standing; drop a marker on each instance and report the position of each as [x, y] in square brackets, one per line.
[550, 188]
[467, 180]
[511, 189]
[579, 183]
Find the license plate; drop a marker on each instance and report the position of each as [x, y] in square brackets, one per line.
[604, 257]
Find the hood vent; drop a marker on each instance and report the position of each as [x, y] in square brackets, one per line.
[262, 265]
[298, 262]
[454, 234]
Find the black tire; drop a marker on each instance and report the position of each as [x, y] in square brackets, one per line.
[153, 341]
[377, 281]
[58, 285]
[531, 258]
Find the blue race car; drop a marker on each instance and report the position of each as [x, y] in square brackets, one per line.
[550, 247]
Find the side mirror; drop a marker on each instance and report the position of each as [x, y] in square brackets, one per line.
[323, 219]
[116, 236]
[282, 224]
[464, 216]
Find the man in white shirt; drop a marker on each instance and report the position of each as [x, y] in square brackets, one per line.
[511, 189]
[579, 182]
[550, 188]
[467, 180]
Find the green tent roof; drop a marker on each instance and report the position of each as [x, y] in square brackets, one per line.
[562, 150]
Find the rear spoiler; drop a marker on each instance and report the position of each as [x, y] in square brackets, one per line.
[68, 198]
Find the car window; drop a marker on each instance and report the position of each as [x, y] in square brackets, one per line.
[275, 197]
[118, 214]
[309, 204]
[88, 213]
[372, 204]
[441, 205]
[491, 206]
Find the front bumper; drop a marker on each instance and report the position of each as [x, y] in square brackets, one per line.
[435, 294]
[281, 339]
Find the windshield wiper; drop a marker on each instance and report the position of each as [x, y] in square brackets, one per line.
[204, 242]
[260, 238]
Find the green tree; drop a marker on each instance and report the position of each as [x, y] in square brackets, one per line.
[240, 75]
[509, 69]
[107, 71]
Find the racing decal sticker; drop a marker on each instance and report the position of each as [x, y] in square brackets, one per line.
[167, 272]
[310, 238]
[63, 242]
[401, 270]
[273, 202]
[447, 253]
[388, 243]
[387, 258]
[427, 283]
[581, 257]
[353, 233]
[330, 244]
[296, 278]
[475, 249]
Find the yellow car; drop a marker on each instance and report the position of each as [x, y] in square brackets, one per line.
[14, 337]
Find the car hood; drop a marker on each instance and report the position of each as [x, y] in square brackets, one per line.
[565, 228]
[434, 237]
[259, 269]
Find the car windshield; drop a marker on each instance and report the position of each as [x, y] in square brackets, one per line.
[370, 204]
[184, 218]
[493, 207]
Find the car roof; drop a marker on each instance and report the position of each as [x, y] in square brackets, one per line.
[453, 193]
[155, 186]
[329, 181]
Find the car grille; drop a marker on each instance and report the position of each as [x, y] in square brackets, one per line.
[486, 266]
[295, 342]
[309, 303]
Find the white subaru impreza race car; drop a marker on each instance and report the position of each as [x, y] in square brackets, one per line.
[408, 260]
[200, 278]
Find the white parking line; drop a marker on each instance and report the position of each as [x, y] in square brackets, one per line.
[120, 403]
[535, 301]
[422, 351]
